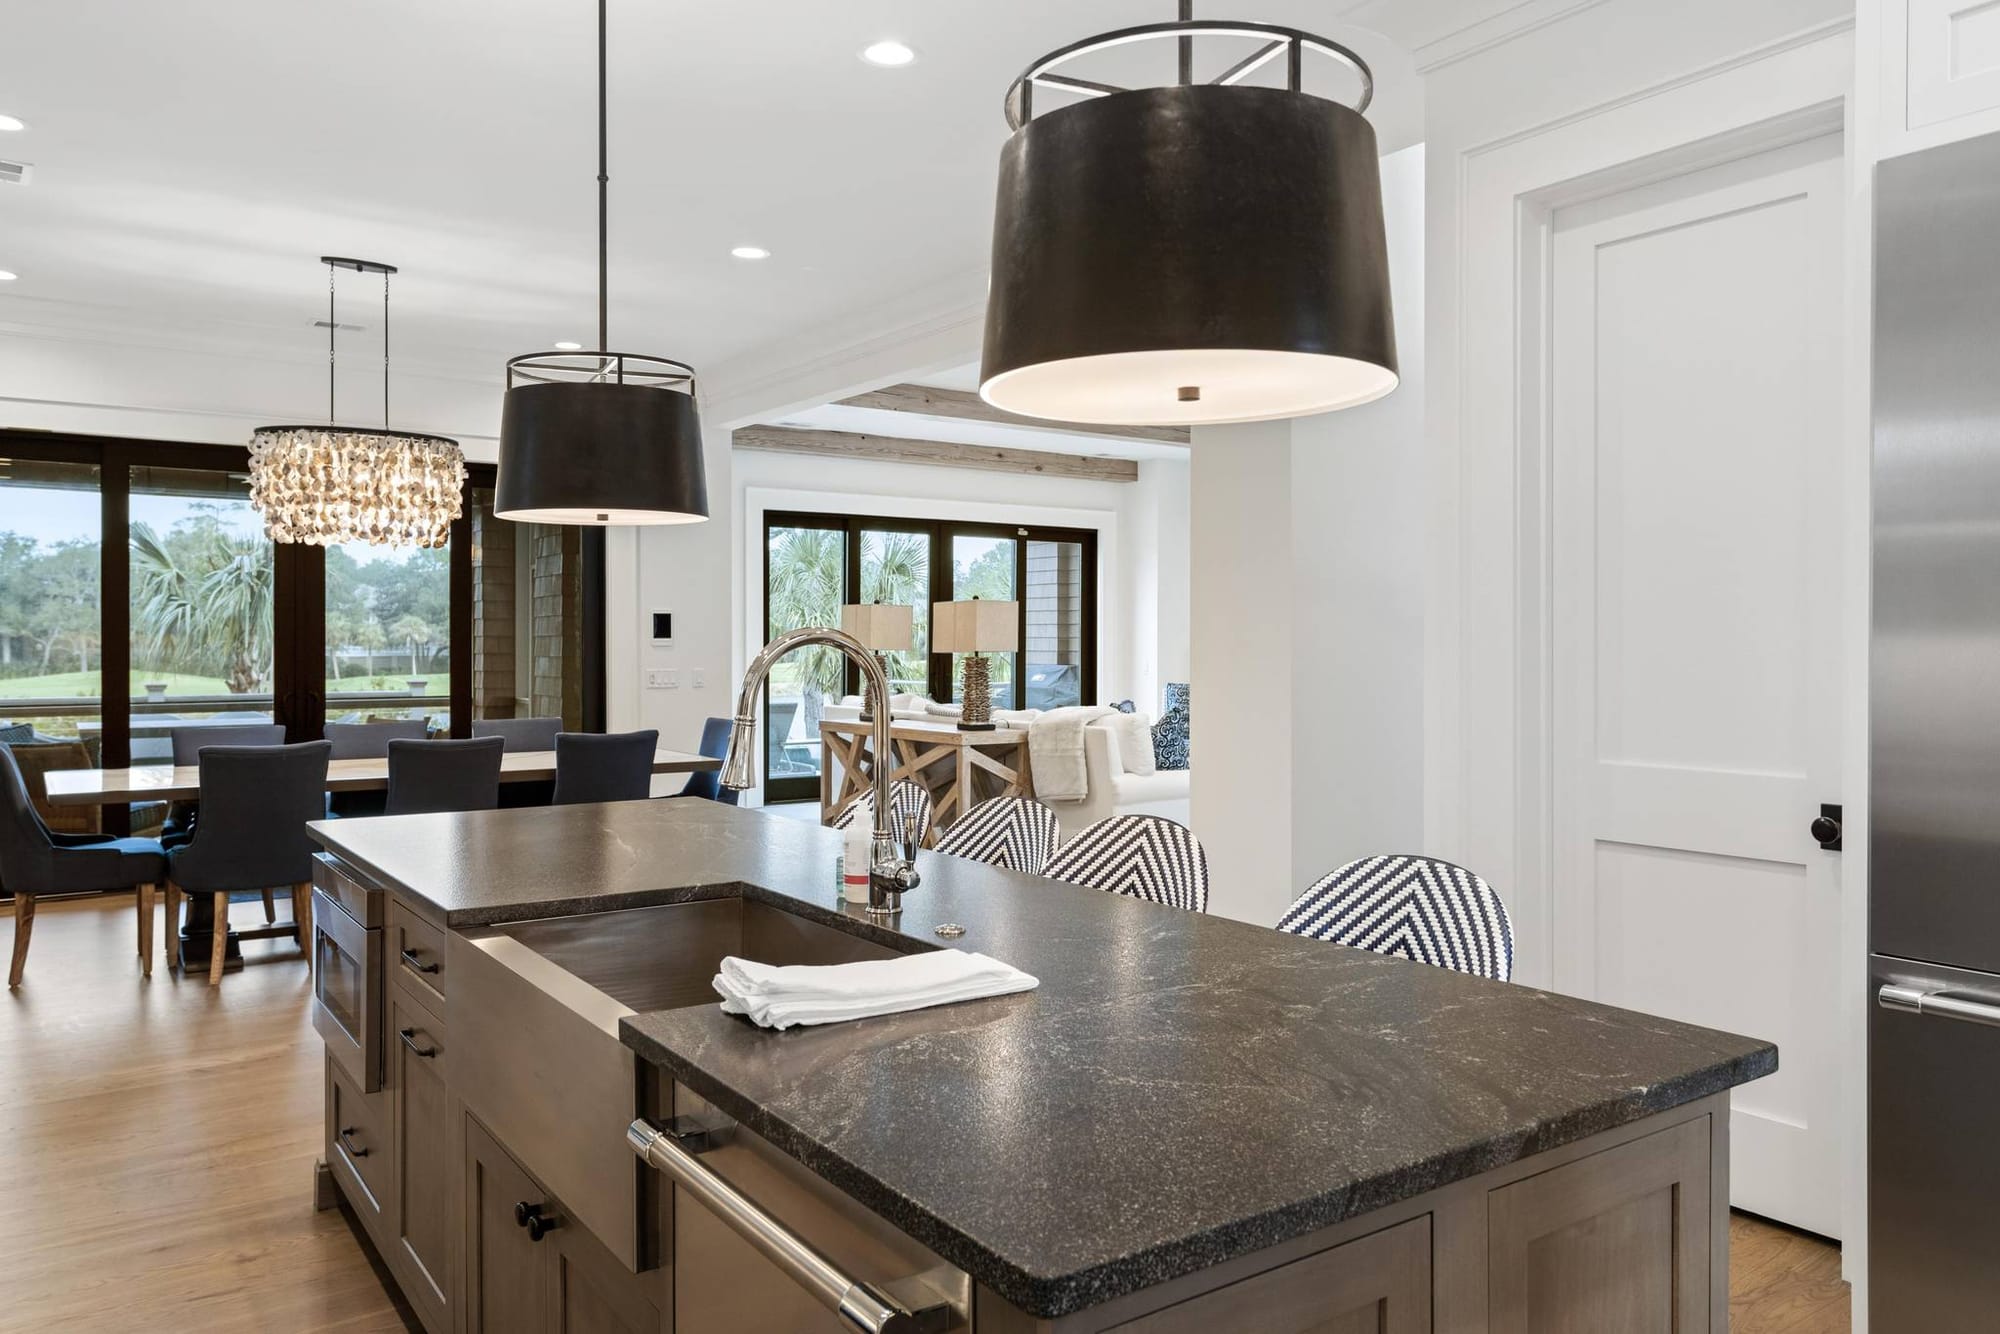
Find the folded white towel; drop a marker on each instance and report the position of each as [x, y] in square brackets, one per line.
[776, 997]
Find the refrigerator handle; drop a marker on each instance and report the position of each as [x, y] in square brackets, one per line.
[1943, 1004]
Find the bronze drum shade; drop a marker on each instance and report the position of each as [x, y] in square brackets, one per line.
[1198, 253]
[600, 453]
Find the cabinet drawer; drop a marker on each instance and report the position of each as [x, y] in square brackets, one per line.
[425, 1123]
[358, 1146]
[356, 899]
[1380, 1283]
[416, 948]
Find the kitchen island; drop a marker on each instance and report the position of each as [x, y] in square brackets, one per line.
[1192, 1124]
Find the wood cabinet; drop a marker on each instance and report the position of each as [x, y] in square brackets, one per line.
[1377, 1284]
[564, 1283]
[422, 1117]
[506, 1274]
[1614, 1243]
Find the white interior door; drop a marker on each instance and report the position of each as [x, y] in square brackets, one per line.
[1696, 650]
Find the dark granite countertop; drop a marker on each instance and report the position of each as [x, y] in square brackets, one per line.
[1180, 1090]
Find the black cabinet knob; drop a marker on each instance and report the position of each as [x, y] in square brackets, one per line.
[531, 1217]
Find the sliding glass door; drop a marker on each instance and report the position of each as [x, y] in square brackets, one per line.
[189, 616]
[816, 563]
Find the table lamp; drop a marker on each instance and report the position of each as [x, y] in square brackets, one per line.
[883, 628]
[973, 628]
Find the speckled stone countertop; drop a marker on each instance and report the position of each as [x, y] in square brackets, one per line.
[1180, 1090]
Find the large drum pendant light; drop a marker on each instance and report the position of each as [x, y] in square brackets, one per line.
[600, 437]
[1193, 253]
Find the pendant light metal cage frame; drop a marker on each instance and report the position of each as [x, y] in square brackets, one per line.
[587, 367]
[1290, 43]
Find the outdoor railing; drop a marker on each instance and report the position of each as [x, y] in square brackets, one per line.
[57, 707]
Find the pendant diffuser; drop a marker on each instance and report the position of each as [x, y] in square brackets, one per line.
[1193, 253]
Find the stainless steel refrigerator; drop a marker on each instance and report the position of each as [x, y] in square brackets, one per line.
[1934, 923]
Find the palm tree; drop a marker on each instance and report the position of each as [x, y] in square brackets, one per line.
[370, 636]
[807, 572]
[415, 631]
[207, 605]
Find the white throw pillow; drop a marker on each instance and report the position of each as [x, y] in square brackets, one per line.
[1133, 734]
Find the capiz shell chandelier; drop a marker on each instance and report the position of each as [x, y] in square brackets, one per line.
[1208, 250]
[326, 485]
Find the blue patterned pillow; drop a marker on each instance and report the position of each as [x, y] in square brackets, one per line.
[1126, 706]
[1170, 734]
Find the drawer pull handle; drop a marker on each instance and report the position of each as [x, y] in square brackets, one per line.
[409, 1036]
[860, 1305]
[531, 1217]
[411, 960]
[353, 1150]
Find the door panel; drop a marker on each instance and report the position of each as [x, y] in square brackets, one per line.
[1696, 629]
[507, 1275]
[422, 1111]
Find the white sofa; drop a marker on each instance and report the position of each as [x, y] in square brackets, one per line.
[1116, 790]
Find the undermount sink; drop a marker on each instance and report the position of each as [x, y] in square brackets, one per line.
[666, 957]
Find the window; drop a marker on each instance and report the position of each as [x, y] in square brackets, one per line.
[189, 615]
[816, 563]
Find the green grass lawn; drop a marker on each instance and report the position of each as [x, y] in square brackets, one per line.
[86, 685]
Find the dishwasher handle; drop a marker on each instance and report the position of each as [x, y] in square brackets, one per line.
[1916, 1000]
[860, 1305]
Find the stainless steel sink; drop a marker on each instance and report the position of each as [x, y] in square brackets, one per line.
[534, 1018]
[664, 958]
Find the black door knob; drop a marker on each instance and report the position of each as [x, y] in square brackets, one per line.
[1825, 828]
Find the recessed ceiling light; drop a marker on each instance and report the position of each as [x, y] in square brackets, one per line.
[12, 124]
[751, 252]
[888, 53]
[569, 347]
[6, 277]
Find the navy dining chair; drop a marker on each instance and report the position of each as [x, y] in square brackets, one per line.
[520, 733]
[430, 776]
[255, 804]
[715, 745]
[35, 861]
[615, 766]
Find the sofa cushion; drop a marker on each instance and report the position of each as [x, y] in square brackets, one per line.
[1133, 735]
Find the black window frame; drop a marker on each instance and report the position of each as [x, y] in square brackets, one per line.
[940, 532]
[298, 590]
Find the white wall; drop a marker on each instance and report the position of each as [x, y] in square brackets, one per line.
[1307, 598]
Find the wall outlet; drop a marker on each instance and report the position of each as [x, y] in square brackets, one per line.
[700, 678]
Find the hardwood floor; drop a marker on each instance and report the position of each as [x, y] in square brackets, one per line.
[157, 1140]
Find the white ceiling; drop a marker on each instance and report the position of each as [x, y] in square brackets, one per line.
[193, 159]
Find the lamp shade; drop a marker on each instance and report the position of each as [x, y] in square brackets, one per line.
[1198, 253]
[581, 452]
[884, 627]
[975, 626]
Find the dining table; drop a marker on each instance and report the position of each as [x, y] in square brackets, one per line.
[182, 782]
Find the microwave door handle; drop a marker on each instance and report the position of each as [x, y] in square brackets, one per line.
[1944, 1005]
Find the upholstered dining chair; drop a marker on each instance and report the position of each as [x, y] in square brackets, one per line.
[255, 803]
[715, 745]
[520, 733]
[368, 741]
[187, 743]
[614, 766]
[1018, 833]
[1418, 908]
[909, 803]
[427, 776]
[34, 861]
[1141, 856]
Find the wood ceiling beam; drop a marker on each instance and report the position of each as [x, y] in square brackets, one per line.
[937, 453]
[925, 400]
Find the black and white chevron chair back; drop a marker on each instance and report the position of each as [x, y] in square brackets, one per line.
[1416, 907]
[1018, 833]
[1142, 856]
[907, 801]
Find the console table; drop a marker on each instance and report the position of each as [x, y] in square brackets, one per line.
[959, 769]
